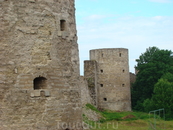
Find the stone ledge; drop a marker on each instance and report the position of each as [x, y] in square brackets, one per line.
[39, 93]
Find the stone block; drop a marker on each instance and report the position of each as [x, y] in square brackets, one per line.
[59, 33]
[15, 71]
[36, 93]
[32, 94]
[47, 93]
[32, 1]
[64, 34]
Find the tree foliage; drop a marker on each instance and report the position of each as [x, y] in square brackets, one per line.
[162, 97]
[151, 66]
[147, 56]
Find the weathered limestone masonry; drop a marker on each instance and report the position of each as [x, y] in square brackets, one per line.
[90, 74]
[132, 78]
[39, 68]
[85, 96]
[107, 73]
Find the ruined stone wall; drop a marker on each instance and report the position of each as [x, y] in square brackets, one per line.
[39, 68]
[85, 96]
[90, 74]
[113, 81]
[132, 78]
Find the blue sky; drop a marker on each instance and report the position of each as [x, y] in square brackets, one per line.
[132, 24]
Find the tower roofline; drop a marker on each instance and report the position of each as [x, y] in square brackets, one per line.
[110, 49]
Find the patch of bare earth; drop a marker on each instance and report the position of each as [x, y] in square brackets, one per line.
[128, 117]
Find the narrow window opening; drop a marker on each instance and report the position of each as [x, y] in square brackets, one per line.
[105, 99]
[101, 71]
[102, 54]
[120, 54]
[40, 83]
[123, 85]
[101, 85]
[67, 129]
[123, 71]
[62, 25]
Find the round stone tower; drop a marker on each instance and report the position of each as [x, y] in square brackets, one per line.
[39, 68]
[112, 78]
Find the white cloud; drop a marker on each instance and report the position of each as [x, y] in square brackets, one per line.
[158, 17]
[134, 33]
[95, 17]
[161, 1]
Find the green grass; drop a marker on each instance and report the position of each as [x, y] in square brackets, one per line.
[118, 116]
[123, 120]
[122, 125]
[92, 108]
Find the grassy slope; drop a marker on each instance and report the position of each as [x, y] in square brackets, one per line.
[123, 121]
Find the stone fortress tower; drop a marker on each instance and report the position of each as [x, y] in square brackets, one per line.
[107, 73]
[39, 68]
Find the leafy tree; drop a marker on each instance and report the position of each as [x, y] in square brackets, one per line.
[162, 97]
[151, 65]
[147, 56]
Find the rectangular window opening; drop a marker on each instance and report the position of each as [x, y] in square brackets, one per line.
[62, 25]
[105, 99]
